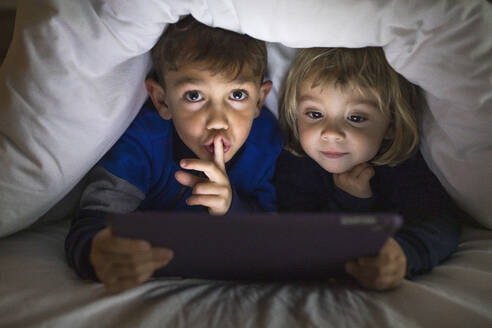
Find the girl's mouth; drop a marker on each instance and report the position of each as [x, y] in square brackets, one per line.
[332, 155]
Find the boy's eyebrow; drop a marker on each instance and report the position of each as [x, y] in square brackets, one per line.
[191, 80]
[186, 80]
[245, 79]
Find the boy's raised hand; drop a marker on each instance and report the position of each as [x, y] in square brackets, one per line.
[214, 192]
[384, 271]
[122, 263]
[356, 181]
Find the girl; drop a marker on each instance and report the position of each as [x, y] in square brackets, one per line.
[351, 125]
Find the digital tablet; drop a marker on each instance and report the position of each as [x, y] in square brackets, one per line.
[260, 246]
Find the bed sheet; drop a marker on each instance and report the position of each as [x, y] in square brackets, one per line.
[38, 289]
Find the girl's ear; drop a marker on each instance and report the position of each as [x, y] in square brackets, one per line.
[264, 91]
[390, 132]
[158, 97]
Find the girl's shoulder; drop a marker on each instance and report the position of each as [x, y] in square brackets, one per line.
[298, 170]
[410, 172]
[415, 163]
[289, 161]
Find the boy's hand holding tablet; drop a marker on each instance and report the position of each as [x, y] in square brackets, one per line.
[122, 263]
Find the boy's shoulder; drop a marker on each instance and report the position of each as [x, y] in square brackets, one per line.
[149, 125]
[265, 134]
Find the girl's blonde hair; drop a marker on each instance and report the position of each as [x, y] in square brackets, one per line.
[367, 71]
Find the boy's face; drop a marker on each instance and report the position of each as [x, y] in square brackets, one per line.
[338, 128]
[203, 105]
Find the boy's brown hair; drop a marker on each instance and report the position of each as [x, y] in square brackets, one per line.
[218, 50]
[366, 71]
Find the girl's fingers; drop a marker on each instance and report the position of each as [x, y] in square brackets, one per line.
[367, 173]
[371, 279]
[219, 153]
[357, 170]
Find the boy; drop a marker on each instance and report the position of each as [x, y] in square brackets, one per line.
[206, 90]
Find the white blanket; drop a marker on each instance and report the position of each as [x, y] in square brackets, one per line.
[72, 81]
[38, 289]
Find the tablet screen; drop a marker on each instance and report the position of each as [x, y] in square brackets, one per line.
[261, 246]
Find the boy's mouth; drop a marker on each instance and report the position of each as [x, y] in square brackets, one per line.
[209, 145]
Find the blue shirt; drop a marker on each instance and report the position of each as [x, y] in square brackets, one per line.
[145, 156]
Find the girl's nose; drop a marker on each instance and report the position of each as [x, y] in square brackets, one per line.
[217, 119]
[332, 131]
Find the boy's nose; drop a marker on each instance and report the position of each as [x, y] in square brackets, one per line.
[332, 131]
[217, 119]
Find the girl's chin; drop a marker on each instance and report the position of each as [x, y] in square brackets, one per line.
[334, 169]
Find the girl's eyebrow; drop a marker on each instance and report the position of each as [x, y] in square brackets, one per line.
[364, 101]
[307, 98]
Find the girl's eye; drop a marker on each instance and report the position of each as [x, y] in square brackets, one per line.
[193, 96]
[238, 95]
[356, 118]
[314, 115]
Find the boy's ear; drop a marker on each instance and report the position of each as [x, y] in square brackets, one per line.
[264, 91]
[158, 97]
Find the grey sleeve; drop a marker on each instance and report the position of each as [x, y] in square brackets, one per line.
[104, 192]
[108, 193]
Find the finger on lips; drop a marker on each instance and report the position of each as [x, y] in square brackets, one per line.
[219, 153]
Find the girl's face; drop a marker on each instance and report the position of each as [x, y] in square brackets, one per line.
[338, 128]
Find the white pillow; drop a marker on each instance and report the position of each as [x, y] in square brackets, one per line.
[72, 81]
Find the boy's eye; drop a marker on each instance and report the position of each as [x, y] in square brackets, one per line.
[238, 95]
[193, 96]
[314, 115]
[356, 118]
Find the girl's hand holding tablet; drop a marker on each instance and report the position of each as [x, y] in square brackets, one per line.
[384, 271]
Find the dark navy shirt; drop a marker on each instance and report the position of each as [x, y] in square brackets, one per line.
[432, 221]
